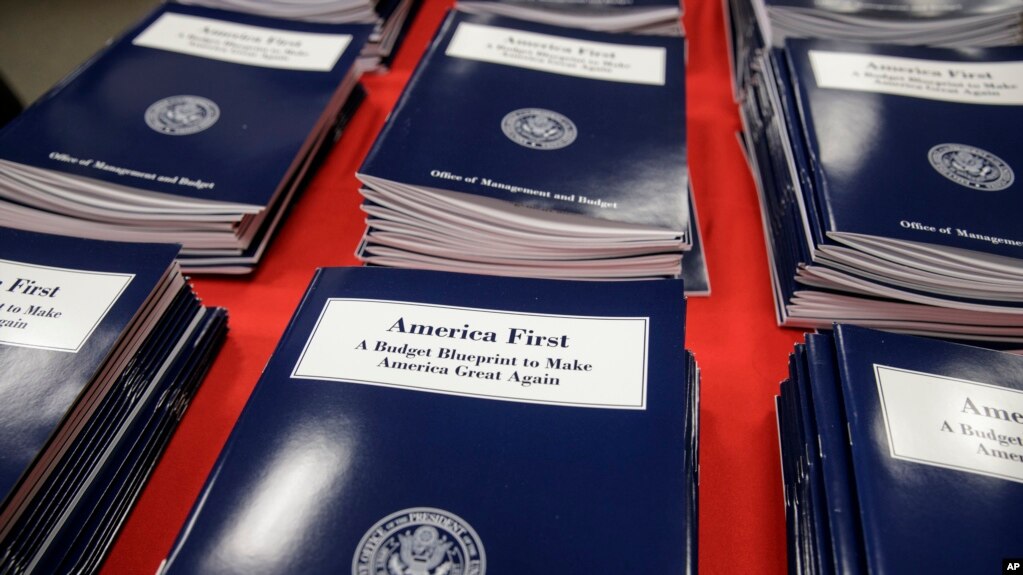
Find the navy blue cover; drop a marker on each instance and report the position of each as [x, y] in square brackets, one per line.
[630, 149]
[920, 518]
[548, 489]
[266, 114]
[39, 386]
[869, 152]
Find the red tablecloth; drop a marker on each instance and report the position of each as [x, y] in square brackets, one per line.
[741, 351]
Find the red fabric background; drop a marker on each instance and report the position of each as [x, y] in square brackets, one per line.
[741, 351]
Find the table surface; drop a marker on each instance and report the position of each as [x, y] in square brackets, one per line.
[741, 351]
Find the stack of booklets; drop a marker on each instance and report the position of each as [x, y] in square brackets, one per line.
[759, 24]
[198, 126]
[628, 16]
[901, 454]
[394, 17]
[102, 345]
[887, 179]
[533, 150]
[414, 421]
[390, 19]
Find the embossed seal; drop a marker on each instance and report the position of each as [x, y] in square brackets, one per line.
[182, 115]
[420, 541]
[539, 129]
[971, 167]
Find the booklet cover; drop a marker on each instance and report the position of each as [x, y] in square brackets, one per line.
[65, 305]
[855, 236]
[900, 454]
[555, 119]
[224, 114]
[102, 345]
[192, 102]
[429, 422]
[752, 25]
[936, 433]
[916, 144]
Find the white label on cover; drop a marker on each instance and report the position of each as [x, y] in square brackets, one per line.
[999, 83]
[559, 55]
[244, 44]
[531, 358]
[952, 423]
[54, 308]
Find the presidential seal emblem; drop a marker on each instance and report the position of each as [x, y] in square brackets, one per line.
[420, 541]
[539, 129]
[182, 115]
[971, 167]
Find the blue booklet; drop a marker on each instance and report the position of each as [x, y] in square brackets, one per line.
[947, 183]
[493, 111]
[66, 304]
[936, 450]
[919, 450]
[912, 238]
[417, 421]
[194, 127]
[390, 19]
[102, 344]
[515, 131]
[932, 229]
